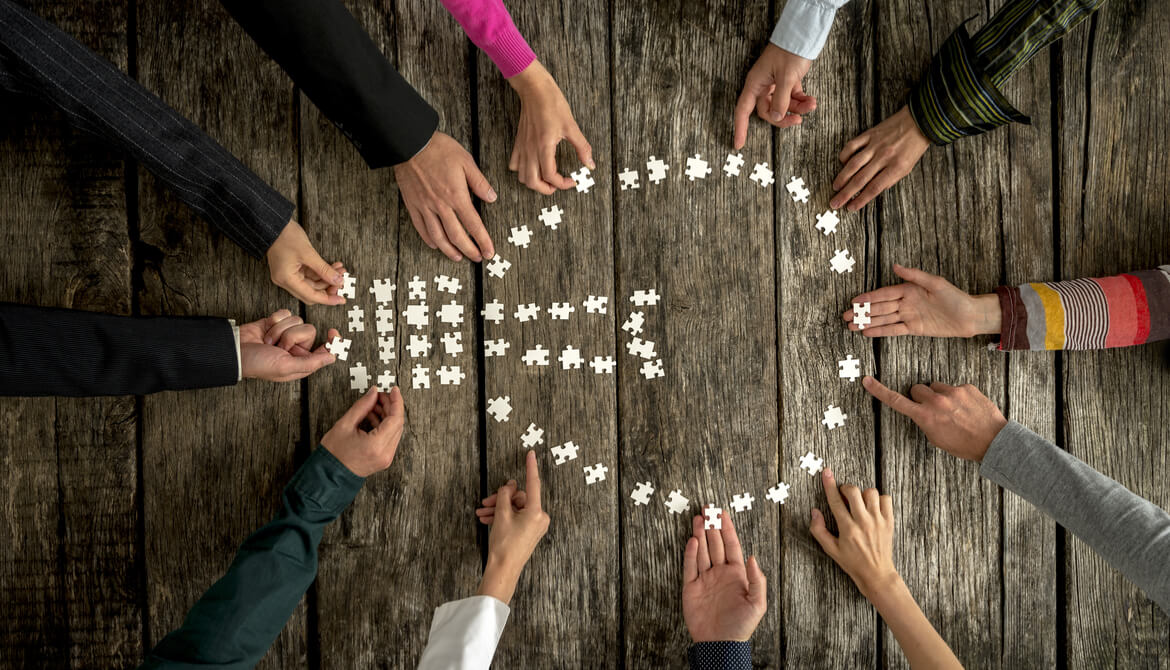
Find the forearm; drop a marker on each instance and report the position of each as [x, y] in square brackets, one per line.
[237, 619]
[923, 646]
[464, 634]
[1129, 532]
[804, 26]
[99, 98]
[490, 27]
[1023, 28]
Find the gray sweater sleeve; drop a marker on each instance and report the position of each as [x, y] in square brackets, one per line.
[1129, 532]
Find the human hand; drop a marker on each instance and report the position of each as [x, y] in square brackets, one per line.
[434, 188]
[280, 348]
[876, 159]
[295, 266]
[772, 87]
[545, 120]
[864, 544]
[363, 451]
[517, 524]
[927, 305]
[957, 419]
[722, 598]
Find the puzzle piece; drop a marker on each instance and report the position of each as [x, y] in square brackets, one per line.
[537, 356]
[417, 316]
[565, 452]
[810, 464]
[520, 236]
[629, 179]
[339, 347]
[652, 369]
[643, 298]
[419, 346]
[850, 368]
[356, 314]
[532, 436]
[452, 343]
[732, 165]
[493, 311]
[656, 170]
[603, 365]
[498, 267]
[451, 375]
[861, 315]
[742, 503]
[641, 494]
[386, 381]
[526, 312]
[841, 262]
[385, 349]
[418, 288]
[697, 168]
[551, 216]
[676, 503]
[633, 325]
[797, 190]
[834, 417]
[448, 284]
[500, 408]
[778, 493]
[348, 286]
[420, 377]
[582, 179]
[383, 290]
[359, 377]
[641, 348]
[762, 175]
[713, 521]
[596, 304]
[570, 358]
[560, 311]
[384, 319]
[595, 473]
[827, 221]
[451, 314]
[495, 348]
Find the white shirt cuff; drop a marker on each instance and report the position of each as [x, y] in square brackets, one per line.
[464, 634]
[804, 26]
[239, 359]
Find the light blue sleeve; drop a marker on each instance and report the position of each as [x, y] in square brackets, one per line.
[804, 26]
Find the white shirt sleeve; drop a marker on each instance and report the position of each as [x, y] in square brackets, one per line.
[804, 26]
[464, 634]
[239, 360]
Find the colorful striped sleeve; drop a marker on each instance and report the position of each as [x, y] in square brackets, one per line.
[959, 95]
[1098, 313]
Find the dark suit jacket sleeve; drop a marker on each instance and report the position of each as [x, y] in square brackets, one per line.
[332, 59]
[62, 352]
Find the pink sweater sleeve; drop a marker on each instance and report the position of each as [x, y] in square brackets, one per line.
[490, 27]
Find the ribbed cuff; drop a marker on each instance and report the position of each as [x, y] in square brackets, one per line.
[1007, 455]
[1013, 319]
[803, 27]
[510, 52]
[722, 655]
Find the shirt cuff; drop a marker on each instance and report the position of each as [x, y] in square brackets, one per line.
[464, 634]
[803, 27]
[1006, 454]
[239, 359]
[510, 52]
[722, 655]
[956, 98]
[324, 484]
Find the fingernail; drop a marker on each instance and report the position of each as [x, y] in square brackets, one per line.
[458, 258]
[816, 514]
[491, 196]
[336, 278]
[828, 473]
[592, 165]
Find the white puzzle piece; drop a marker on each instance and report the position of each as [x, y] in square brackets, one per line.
[643, 298]
[834, 417]
[417, 316]
[451, 375]
[676, 503]
[420, 377]
[526, 312]
[384, 319]
[827, 221]
[641, 494]
[628, 179]
[762, 175]
[633, 325]
[451, 314]
[356, 316]
[498, 267]
[850, 368]
[448, 284]
[385, 349]
[861, 315]
[452, 343]
[595, 473]
[493, 348]
[359, 378]
[500, 408]
[742, 502]
[732, 165]
[811, 464]
[565, 452]
[640, 348]
[532, 436]
[603, 365]
[713, 520]
[560, 311]
[339, 347]
[797, 190]
[652, 369]
[386, 381]
[348, 286]
[697, 168]
[656, 170]
[778, 493]
[521, 237]
[537, 356]
[551, 216]
[570, 358]
[596, 304]
[493, 311]
[383, 290]
[417, 288]
[841, 262]
[582, 180]
[418, 346]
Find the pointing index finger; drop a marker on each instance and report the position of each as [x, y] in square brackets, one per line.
[532, 483]
[892, 399]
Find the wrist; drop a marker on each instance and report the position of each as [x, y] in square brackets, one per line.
[883, 588]
[988, 320]
[500, 576]
[530, 79]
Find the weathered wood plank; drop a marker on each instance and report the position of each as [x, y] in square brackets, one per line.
[941, 218]
[709, 427]
[1114, 219]
[566, 609]
[69, 550]
[356, 214]
[214, 461]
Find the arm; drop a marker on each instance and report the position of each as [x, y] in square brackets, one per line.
[464, 634]
[804, 26]
[489, 26]
[1129, 532]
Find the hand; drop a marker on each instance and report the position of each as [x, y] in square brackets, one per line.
[927, 305]
[434, 188]
[517, 524]
[545, 120]
[772, 87]
[280, 348]
[957, 419]
[295, 266]
[876, 159]
[363, 451]
[864, 544]
[722, 599]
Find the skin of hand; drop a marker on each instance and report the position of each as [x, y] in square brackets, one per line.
[363, 451]
[295, 266]
[545, 120]
[517, 524]
[773, 88]
[864, 549]
[722, 597]
[960, 420]
[434, 186]
[876, 159]
[280, 348]
[927, 305]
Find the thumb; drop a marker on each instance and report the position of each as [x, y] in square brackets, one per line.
[781, 98]
[822, 534]
[321, 268]
[504, 502]
[478, 183]
[354, 416]
[757, 582]
[915, 276]
[303, 366]
[396, 417]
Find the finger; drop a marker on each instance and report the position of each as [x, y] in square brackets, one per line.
[836, 505]
[764, 104]
[882, 308]
[802, 103]
[890, 398]
[487, 520]
[731, 542]
[701, 536]
[742, 115]
[531, 177]
[822, 535]
[486, 510]
[532, 480]
[779, 107]
[303, 291]
[453, 227]
[489, 501]
[324, 270]
[941, 388]
[871, 496]
[887, 505]
[300, 337]
[395, 415]
[715, 545]
[373, 419]
[877, 321]
[893, 330]
[478, 183]
[435, 229]
[504, 501]
[297, 367]
[691, 561]
[581, 146]
[845, 183]
[924, 279]
[884, 179]
[271, 320]
[852, 495]
[921, 393]
[853, 146]
[789, 120]
[548, 170]
[520, 500]
[886, 294]
[757, 582]
[360, 408]
[856, 184]
[514, 159]
[278, 327]
[420, 226]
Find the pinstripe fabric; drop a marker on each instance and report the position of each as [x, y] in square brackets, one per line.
[39, 60]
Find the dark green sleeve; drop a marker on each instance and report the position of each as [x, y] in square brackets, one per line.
[237, 619]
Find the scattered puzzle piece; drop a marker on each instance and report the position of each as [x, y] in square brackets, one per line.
[560, 311]
[596, 304]
[359, 377]
[417, 316]
[451, 375]
[810, 464]
[656, 170]
[339, 347]
[628, 178]
[834, 417]
[633, 325]
[850, 368]
[348, 286]
[603, 365]
[537, 356]
[386, 381]
[652, 369]
[640, 348]
[356, 315]
[500, 408]
[778, 493]
[521, 236]
[526, 312]
[384, 319]
[595, 473]
[797, 190]
[451, 314]
[697, 168]
[551, 216]
[762, 175]
[493, 311]
[452, 343]
[565, 452]
[418, 346]
[742, 503]
[713, 521]
[582, 179]
[498, 267]
[841, 262]
[495, 348]
[676, 503]
[448, 284]
[827, 221]
[532, 436]
[385, 349]
[641, 494]
[643, 298]
[861, 315]
[418, 288]
[570, 358]
[732, 165]
[383, 290]
[420, 377]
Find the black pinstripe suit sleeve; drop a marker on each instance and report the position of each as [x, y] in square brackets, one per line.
[63, 352]
[332, 59]
[38, 59]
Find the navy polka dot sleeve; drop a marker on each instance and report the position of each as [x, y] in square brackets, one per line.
[725, 655]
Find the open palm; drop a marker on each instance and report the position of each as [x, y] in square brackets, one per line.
[723, 598]
[925, 304]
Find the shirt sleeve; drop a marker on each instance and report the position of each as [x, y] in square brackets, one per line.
[804, 26]
[1129, 532]
[235, 622]
[960, 93]
[1095, 313]
[490, 27]
[724, 655]
[464, 634]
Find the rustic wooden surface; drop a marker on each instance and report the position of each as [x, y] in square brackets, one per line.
[104, 496]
